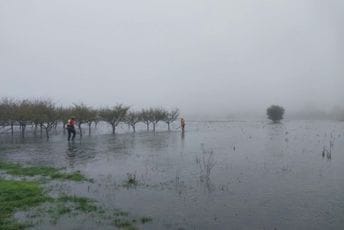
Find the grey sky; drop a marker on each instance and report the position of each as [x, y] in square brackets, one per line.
[196, 55]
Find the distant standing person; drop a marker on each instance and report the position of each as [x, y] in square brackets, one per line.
[71, 128]
[182, 124]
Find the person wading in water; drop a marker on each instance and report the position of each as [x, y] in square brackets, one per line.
[71, 128]
[182, 124]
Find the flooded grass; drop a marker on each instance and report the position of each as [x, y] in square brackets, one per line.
[74, 205]
[16, 195]
[71, 204]
[124, 224]
[53, 173]
[81, 203]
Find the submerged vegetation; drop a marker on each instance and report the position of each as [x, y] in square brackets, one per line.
[18, 195]
[131, 180]
[83, 204]
[206, 163]
[53, 173]
[328, 150]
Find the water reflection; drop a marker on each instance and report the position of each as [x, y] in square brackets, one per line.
[80, 152]
[275, 130]
[71, 153]
[118, 144]
[277, 141]
[158, 143]
[182, 143]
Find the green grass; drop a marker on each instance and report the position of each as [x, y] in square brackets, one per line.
[21, 195]
[62, 209]
[53, 173]
[72, 205]
[16, 195]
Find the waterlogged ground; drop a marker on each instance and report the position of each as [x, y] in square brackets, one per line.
[218, 175]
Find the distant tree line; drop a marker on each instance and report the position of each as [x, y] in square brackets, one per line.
[44, 115]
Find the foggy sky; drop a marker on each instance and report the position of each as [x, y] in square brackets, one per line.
[201, 56]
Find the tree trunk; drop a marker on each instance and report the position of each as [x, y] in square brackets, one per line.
[113, 129]
[80, 130]
[23, 126]
[47, 132]
[168, 125]
[35, 130]
[154, 127]
[133, 128]
[12, 128]
[147, 124]
[89, 128]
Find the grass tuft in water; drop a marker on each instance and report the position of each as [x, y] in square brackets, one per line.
[124, 224]
[131, 180]
[82, 204]
[53, 173]
[121, 213]
[146, 219]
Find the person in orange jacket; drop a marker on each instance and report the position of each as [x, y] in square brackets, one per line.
[71, 128]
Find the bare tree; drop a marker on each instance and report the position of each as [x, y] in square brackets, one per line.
[114, 115]
[84, 114]
[170, 117]
[145, 117]
[45, 114]
[8, 107]
[36, 115]
[132, 119]
[97, 120]
[23, 114]
[91, 118]
[156, 115]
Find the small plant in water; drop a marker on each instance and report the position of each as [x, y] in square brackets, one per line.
[131, 180]
[146, 220]
[327, 151]
[206, 163]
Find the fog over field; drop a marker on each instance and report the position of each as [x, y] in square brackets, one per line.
[208, 58]
[171, 114]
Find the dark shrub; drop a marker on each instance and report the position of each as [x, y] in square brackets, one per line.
[275, 113]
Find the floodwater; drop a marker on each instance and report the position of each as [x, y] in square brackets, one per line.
[217, 175]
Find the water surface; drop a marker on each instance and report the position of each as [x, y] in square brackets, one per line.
[262, 175]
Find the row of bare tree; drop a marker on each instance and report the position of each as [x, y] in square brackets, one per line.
[45, 114]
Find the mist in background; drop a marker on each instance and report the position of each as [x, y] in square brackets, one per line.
[212, 59]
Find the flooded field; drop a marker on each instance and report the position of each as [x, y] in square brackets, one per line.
[217, 175]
